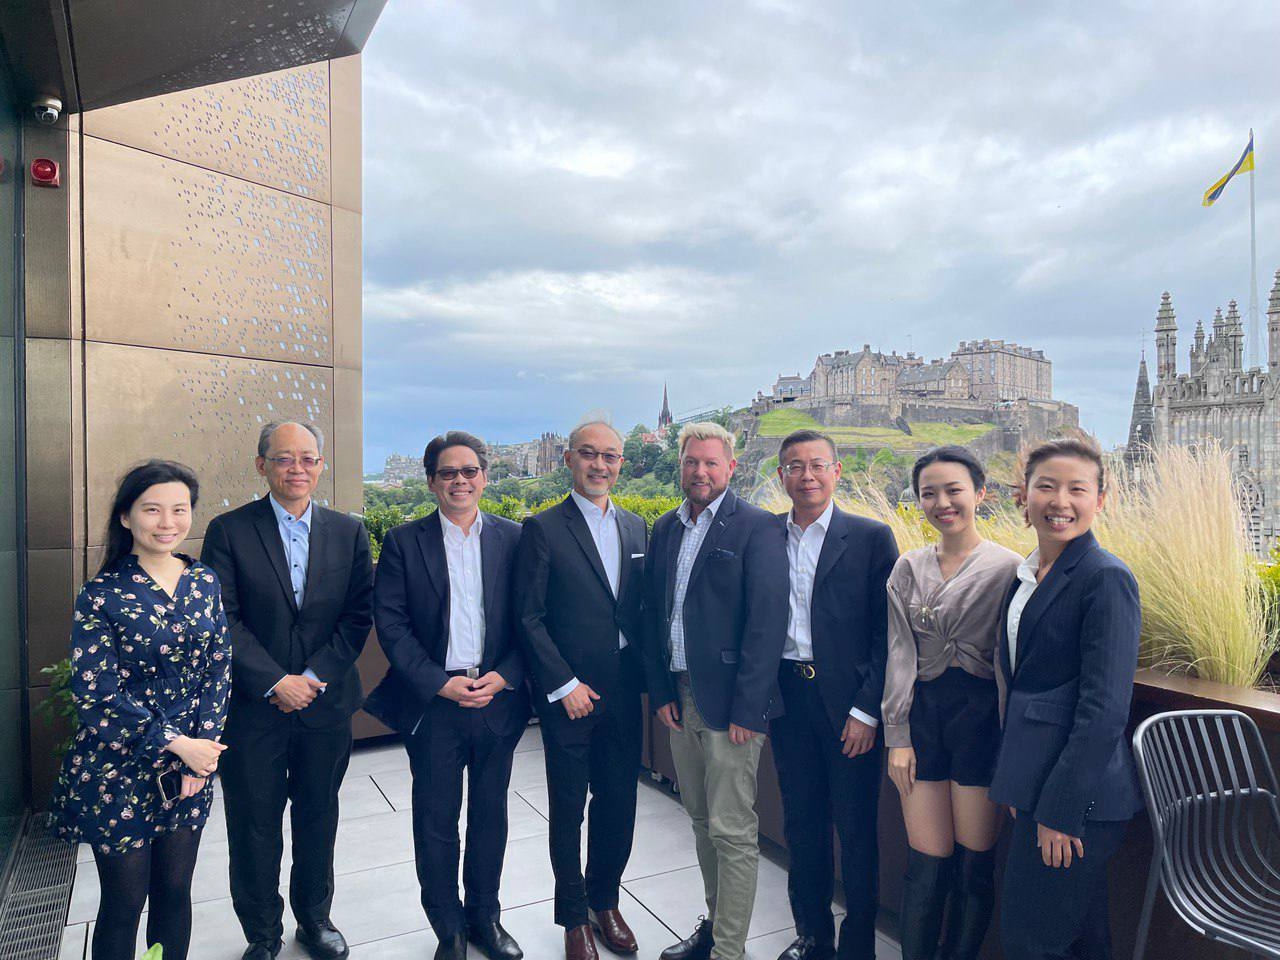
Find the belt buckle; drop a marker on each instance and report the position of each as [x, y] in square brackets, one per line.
[806, 670]
[473, 673]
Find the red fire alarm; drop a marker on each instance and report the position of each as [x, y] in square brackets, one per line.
[44, 172]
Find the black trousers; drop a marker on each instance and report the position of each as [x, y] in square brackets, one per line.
[822, 788]
[601, 753]
[450, 740]
[262, 768]
[1052, 913]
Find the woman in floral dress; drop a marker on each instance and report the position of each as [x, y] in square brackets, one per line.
[150, 674]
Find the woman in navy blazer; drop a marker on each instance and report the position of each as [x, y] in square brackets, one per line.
[1068, 648]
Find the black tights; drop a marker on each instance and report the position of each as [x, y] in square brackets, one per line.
[160, 871]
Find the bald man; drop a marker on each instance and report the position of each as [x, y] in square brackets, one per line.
[297, 586]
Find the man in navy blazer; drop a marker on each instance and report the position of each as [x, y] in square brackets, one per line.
[716, 612]
[826, 744]
[1065, 763]
[454, 690]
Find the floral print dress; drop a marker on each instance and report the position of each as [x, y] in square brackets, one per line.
[145, 668]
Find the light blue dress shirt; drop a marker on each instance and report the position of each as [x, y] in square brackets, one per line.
[295, 536]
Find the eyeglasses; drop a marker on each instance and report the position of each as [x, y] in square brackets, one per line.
[587, 453]
[287, 463]
[797, 468]
[449, 474]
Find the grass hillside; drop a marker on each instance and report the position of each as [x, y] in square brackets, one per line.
[780, 422]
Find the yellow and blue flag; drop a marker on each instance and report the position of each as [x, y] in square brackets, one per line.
[1244, 163]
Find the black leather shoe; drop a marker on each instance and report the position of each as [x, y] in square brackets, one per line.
[696, 947]
[493, 941]
[452, 948]
[807, 948]
[322, 940]
[262, 950]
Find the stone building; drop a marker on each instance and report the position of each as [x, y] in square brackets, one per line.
[1218, 399]
[551, 447]
[398, 468]
[1005, 371]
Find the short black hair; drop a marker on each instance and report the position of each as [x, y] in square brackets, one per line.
[805, 436]
[1081, 446]
[454, 438]
[950, 453]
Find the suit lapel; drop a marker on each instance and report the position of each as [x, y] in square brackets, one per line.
[727, 507]
[1002, 635]
[269, 533]
[1057, 579]
[431, 543]
[675, 533]
[833, 547]
[318, 542]
[490, 565]
[629, 546]
[577, 524]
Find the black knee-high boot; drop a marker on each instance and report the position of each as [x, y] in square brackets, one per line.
[924, 891]
[972, 897]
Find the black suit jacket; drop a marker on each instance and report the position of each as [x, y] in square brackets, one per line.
[569, 617]
[411, 611]
[270, 635]
[849, 613]
[1064, 755]
[735, 614]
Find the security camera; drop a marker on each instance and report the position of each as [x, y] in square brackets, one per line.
[47, 110]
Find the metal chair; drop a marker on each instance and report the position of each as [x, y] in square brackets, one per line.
[1211, 793]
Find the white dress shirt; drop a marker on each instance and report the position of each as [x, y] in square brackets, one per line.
[603, 525]
[692, 534]
[804, 547]
[1026, 587]
[466, 594]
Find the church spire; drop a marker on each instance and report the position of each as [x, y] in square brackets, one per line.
[1142, 424]
[664, 417]
[1166, 339]
[1273, 325]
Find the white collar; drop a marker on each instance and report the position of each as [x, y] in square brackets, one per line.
[823, 522]
[452, 529]
[590, 510]
[683, 510]
[1029, 566]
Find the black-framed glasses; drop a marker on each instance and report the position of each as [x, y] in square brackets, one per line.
[590, 453]
[449, 474]
[797, 468]
[287, 462]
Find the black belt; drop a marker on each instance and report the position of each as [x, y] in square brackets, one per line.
[804, 669]
[472, 672]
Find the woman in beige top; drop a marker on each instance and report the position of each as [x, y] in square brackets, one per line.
[940, 709]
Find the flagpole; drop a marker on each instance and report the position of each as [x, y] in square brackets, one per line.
[1255, 328]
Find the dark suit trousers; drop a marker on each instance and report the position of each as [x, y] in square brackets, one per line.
[1052, 913]
[822, 788]
[262, 768]
[600, 752]
[450, 740]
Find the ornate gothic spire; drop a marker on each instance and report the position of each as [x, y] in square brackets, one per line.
[1166, 339]
[1142, 424]
[1273, 326]
[664, 417]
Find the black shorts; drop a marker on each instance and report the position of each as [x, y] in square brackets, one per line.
[955, 728]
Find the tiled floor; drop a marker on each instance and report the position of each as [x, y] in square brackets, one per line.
[376, 905]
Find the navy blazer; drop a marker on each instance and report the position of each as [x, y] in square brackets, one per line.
[735, 615]
[270, 634]
[569, 618]
[849, 615]
[1064, 755]
[411, 613]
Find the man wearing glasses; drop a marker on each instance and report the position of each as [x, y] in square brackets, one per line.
[455, 690]
[579, 573]
[297, 586]
[826, 746]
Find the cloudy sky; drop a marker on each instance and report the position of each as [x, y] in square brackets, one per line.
[566, 204]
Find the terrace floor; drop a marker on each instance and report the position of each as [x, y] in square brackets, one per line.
[376, 904]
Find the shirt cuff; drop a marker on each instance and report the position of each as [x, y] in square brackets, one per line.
[562, 692]
[311, 675]
[272, 688]
[865, 718]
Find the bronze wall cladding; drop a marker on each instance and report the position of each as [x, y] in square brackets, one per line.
[205, 411]
[271, 129]
[178, 256]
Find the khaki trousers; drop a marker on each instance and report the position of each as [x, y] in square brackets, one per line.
[717, 780]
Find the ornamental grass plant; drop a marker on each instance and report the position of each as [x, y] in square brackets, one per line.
[1206, 610]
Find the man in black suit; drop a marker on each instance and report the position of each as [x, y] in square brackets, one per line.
[455, 690]
[826, 745]
[716, 611]
[297, 586]
[578, 585]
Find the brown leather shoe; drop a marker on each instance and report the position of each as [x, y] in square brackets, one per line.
[579, 944]
[613, 930]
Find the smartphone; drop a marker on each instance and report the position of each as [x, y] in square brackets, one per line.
[170, 783]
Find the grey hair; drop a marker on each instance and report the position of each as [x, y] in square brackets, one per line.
[264, 437]
[596, 418]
